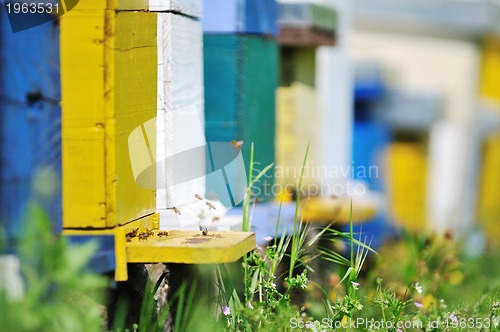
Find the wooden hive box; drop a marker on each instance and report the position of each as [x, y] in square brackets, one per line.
[30, 120]
[240, 82]
[108, 78]
[240, 16]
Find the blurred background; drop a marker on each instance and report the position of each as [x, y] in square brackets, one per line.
[397, 100]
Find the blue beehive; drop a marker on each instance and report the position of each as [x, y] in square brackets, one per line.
[241, 76]
[30, 118]
[30, 143]
[240, 16]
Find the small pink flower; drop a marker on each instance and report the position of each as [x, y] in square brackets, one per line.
[399, 330]
[226, 310]
[267, 238]
[259, 248]
[454, 319]
[418, 304]
[250, 305]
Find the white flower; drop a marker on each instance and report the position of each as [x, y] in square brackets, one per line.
[267, 238]
[355, 285]
[250, 305]
[418, 288]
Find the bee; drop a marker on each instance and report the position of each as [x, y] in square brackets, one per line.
[149, 232]
[162, 233]
[176, 210]
[204, 232]
[198, 196]
[237, 144]
[133, 232]
[210, 205]
[143, 236]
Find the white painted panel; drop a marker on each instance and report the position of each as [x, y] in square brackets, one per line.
[187, 7]
[180, 118]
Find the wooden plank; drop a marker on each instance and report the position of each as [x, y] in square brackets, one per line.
[186, 7]
[180, 117]
[112, 4]
[489, 190]
[190, 247]
[108, 69]
[30, 119]
[300, 37]
[490, 69]
[133, 92]
[236, 16]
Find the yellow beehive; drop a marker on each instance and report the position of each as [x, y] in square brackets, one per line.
[490, 69]
[489, 186]
[295, 129]
[108, 83]
[296, 117]
[406, 165]
[489, 192]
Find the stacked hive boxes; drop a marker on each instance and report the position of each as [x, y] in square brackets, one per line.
[303, 27]
[120, 66]
[241, 67]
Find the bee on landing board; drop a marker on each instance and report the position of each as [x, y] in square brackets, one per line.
[162, 233]
[143, 236]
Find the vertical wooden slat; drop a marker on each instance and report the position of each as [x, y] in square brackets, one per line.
[108, 70]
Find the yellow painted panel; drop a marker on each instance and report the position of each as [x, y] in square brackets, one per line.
[134, 89]
[82, 82]
[295, 128]
[490, 69]
[406, 185]
[191, 247]
[489, 190]
[109, 78]
[320, 209]
[112, 4]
